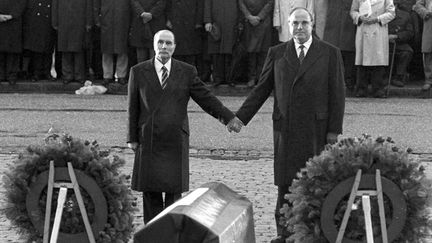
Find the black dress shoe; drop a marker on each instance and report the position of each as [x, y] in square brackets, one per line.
[279, 239]
[232, 84]
[122, 81]
[12, 81]
[107, 81]
[66, 81]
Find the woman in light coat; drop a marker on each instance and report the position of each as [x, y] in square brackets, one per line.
[372, 43]
[282, 9]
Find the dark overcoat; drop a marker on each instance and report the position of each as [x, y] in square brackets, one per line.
[402, 26]
[258, 38]
[309, 101]
[224, 13]
[340, 29]
[141, 35]
[158, 121]
[114, 18]
[423, 7]
[11, 30]
[38, 33]
[71, 18]
[185, 16]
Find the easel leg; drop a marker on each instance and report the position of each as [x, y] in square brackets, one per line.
[48, 204]
[368, 219]
[381, 207]
[349, 207]
[57, 220]
[81, 203]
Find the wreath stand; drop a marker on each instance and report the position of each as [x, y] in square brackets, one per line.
[352, 187]
[365, 194]
[63, 186]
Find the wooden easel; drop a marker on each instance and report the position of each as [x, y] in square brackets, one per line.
[365, 194]
[63, 186]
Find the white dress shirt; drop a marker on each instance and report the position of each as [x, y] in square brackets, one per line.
[306, 46]
[158, 68]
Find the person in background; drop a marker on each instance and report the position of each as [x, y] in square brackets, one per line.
[306, 76]
[73, 21]
[11, 12]
[221, 20]
[185, 20]
[372, 43]
[148, 17]
[340, 31]
[113, 17]
[282, 8]
[158, 128]
[401, 31]
[38, 39]
[424, 9]
[258, 28]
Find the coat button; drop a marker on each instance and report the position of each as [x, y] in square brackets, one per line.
[48, 6]
[40, 4]
[38, 14]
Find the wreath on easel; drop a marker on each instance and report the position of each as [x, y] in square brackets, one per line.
[90, 162]
[341, 161]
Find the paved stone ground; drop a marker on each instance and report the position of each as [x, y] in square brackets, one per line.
[250, 173]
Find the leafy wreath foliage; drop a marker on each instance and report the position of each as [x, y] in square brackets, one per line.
[341, 161]
[88, 158]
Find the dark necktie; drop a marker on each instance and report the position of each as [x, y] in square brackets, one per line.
[164, 76]
[302, 54]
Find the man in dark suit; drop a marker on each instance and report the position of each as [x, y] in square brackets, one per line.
[158, 127]
[306, 76]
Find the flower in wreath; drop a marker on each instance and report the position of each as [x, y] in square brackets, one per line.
[337, 164]
[112, 209]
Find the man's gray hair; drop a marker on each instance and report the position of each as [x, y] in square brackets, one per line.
[305, 9]
[164, 30]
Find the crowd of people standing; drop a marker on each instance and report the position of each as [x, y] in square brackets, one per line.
[227, 40]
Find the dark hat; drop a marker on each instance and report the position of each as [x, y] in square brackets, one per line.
[215, 32]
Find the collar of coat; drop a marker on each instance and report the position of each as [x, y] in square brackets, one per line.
[313, 54]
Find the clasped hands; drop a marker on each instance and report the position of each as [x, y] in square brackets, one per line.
[146, 17]
[235, 125]
[368, 20]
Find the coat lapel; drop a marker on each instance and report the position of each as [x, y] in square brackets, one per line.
[153, 78]
[312, 56]
[290, 54]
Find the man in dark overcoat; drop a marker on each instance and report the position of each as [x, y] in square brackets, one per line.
[221, 16]
[148, 17]
[158, 128]
[424, 9]
[73, 21]
[11, 38]
[340, 31]
[306, 76]
[113, 17]
[258, 28]
[38, 39]
[185, 19]
[401, 32]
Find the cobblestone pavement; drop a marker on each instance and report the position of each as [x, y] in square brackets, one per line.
[249, 173]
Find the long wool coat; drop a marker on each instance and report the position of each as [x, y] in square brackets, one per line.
[259, 38]
[38, 33]
[309, 101]
[422, 7]
[141, 35]
[114, 19]
[372, 42]
[185, 17]
[282, 9]
[339, 29]
[71, 18]
[158, 121]
[11, 30]
[225, 14]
